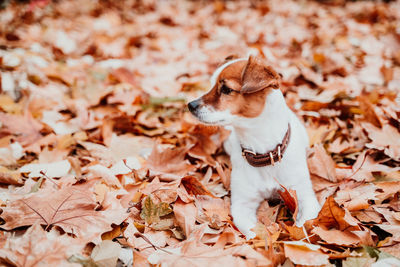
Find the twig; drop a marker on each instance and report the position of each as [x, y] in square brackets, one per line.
[50, 179]
[138, 234]
[362, 163]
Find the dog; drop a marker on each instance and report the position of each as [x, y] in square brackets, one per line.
[267, 144]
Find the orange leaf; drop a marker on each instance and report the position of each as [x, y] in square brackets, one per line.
[194, 186]
[332, 216]
[71, 209]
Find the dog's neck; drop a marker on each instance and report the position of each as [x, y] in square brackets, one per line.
[263, 133]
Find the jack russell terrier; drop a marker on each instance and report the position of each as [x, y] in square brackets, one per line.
[267, 144]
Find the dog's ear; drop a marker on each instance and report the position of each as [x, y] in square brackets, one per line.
[257, 76]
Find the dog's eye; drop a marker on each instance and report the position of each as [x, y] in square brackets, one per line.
[226, 90]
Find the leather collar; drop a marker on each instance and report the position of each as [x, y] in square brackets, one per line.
[270, 157]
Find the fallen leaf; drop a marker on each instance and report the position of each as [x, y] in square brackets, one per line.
[54, 169]
[169, 162]
[10, 177]
[303, 253]
[54, 249]
[106, 253]
[152, 212]
[106, 174]
[70, 208]
[356, 198]
[185, 214]
[24, 128]
[321, 164]
[386, 139]
[338, 237]
[333, 216]
[194, 186]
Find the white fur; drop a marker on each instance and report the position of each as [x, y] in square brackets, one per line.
[251, 185]
[218, 71]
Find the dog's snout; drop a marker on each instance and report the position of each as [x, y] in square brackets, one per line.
[193, 105]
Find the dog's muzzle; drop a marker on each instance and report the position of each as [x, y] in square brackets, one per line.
[193, 106]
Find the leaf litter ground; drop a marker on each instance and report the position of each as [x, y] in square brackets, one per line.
[101, 164]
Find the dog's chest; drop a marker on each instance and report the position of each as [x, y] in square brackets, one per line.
[263, 179]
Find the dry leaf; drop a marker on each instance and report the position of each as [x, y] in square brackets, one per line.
[333, 216]
[152, 212]
[321, 164]
[70, 208]
[169, 161]
[194, 186]
[54, 249]
[106, 253]
[303, 253]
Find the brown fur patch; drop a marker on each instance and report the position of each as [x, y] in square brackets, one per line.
[245, 103]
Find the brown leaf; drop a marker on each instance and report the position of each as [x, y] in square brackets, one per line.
[194, 253]
[10, 177]
[304, 253]
[338, 237]
[333, 216]
[208, 139]
[214, 207]
[194, 186]
[369, 112]
[290, 199]
[386, 139]
[321, 164]
[24, 128]
[54, 249]
[386, 190]
[185, 214]
[356, 198]
[169, 162]
[70, 208]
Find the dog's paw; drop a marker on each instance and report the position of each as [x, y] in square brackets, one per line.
[306, 215]
[249, 235]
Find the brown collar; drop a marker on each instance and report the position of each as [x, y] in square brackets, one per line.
[270, 157]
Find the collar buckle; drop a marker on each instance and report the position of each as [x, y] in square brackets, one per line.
[270, 157]
[279, 153]
[244, 151]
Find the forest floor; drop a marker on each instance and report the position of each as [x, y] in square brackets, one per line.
[101, 163]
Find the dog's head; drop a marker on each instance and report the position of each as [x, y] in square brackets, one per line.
[240, 88]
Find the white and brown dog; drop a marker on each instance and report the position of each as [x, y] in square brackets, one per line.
[267, 143]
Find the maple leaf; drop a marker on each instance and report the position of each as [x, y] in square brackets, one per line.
[185, 215]
[194, 186]
[303, 253]
[70, 208]
[321, 164]
[54, 249]
[106, 253]
[54, 169]
[152, 212]
[333, 216]
[169, 162]
[215, 209]
[194, 253]
[369, 112]
[386, 139]
[24, 128]
[9, 177]
[338, 237]
[356, 197]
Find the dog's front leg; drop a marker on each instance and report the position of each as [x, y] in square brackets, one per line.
[244, 217]
[309, 206]
[244, 203]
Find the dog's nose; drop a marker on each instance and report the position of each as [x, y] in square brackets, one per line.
[193, 105]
